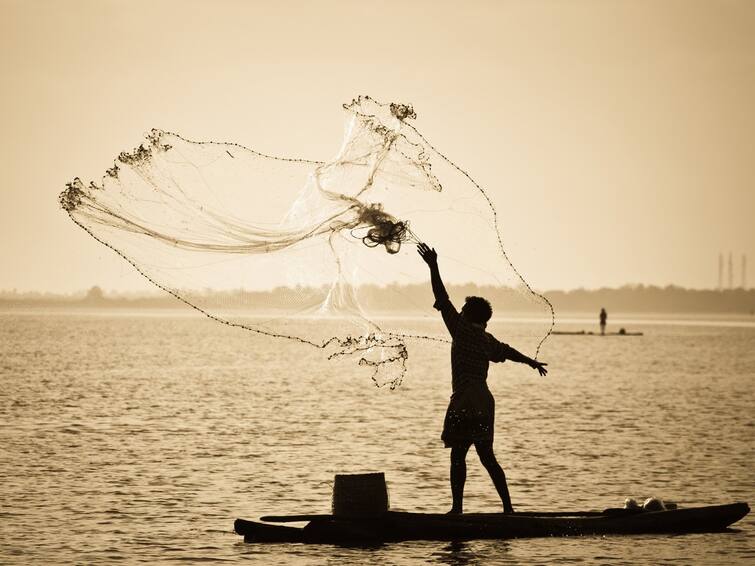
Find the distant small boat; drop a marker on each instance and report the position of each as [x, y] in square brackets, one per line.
[591, 333]
[400, 526]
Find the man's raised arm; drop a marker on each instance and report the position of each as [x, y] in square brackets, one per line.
[431, 259]
[442, 302]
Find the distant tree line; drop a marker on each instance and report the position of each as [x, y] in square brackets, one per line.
[416, 298]
[648, 299]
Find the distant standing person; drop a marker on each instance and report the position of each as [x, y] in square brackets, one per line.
[603, 318]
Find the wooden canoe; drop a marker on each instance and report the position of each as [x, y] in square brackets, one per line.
[400, 525]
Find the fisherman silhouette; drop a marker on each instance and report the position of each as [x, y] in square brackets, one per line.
[471, 410]
[603, 317]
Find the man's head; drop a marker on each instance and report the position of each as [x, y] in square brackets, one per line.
[477, 310]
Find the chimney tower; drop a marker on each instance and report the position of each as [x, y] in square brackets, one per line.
[720, 271]
[731, 271]
[744, 271]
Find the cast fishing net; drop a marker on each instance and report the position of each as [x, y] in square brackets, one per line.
[314, 252]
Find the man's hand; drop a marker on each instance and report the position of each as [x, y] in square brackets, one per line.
[428, 254]
[540, 367]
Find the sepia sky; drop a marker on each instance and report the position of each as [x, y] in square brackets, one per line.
[617, 138]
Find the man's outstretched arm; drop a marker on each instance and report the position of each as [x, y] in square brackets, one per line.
[517, 356]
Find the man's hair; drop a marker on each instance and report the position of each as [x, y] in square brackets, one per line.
[477, 309]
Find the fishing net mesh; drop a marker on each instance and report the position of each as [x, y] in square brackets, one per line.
[314, 252]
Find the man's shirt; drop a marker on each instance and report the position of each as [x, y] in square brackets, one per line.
[472, 348]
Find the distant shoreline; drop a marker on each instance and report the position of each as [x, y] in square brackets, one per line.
[417, 299]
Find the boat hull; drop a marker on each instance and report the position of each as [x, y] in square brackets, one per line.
[399, 526]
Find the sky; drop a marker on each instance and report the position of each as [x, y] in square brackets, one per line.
[617, 139]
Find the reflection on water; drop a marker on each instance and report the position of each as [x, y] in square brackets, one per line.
[142, 438]
[461, 553]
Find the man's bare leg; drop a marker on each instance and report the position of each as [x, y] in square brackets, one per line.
[487, 458]
[458, 477]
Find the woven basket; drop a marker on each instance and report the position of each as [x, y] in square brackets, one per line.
[360, 494]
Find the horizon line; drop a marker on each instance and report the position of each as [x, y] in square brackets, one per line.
[145, 293]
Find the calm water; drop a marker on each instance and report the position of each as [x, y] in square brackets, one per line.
[140, 438]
